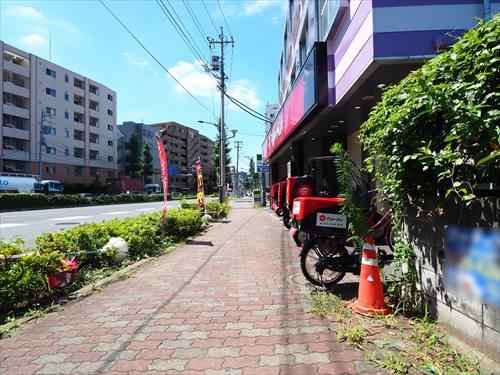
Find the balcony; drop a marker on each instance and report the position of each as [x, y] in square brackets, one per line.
[94, 121]
[93, 155]
[16, 133]
[79, 118]
[94, 106]
[79, 153]
[15, 63]
[94, 138]
[79, 100]
[78, 135]
[11, 165]
[94, 90]
[79, 83]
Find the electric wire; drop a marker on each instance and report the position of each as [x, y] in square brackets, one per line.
[182, 31]
[224, 17]
[151, 54]
[240, 104]
[236, 103]
[195, 20]
[209, 16]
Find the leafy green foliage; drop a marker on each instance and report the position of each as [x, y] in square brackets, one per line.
[437, 131]
[147, 163]
[351, 189]
[133, 158]
[24, 282]
[214, 209]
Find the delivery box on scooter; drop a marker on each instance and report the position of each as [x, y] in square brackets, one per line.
[319, 215]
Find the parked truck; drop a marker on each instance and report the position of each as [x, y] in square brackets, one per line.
[17, 183]
[124, 185]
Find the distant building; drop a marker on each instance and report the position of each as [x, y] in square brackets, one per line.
[79, 127]
[183, 145]
[146, 135]
[271, 112]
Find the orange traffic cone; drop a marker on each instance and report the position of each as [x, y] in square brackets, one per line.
[370, 293]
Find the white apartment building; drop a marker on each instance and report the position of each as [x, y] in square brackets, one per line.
[271, 112]
[79, 132]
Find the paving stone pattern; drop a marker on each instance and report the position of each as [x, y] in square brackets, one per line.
[231, 308]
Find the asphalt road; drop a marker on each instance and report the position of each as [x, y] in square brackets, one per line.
[30, 224]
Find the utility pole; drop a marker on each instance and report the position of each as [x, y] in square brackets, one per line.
[222, 86]
[237, 145]
[42, 142]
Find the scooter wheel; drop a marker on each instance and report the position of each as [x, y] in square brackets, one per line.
[308, 263]
[286, 222]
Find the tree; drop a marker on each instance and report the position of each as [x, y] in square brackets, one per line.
[133, 159]
[251, 172]
[147, 164]
[216, 159]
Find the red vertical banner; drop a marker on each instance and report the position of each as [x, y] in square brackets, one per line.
[164, 173]
[200, 196]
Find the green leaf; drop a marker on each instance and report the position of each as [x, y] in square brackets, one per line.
[491, 156]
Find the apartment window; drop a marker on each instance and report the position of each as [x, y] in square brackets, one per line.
[110, 143]
[78, 170]
[50, 111]
[110, 112]
[110, 158]
[110, 127]
[110, 97]
[66, 151]
[94, 121]
[78, 135]
[50, 92]
[79, 117]
[66, 78]
[93, 138]
[66, 133]
[66, 115]
[94, 89]
[66, 96]
[93, 155]
[94, 172]
[15, 122]
[51, 150]
[50, 170]
[50, 72]
[78, 83]
[49, 130]
[79, 153]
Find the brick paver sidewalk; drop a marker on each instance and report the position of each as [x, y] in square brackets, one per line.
[231, 302]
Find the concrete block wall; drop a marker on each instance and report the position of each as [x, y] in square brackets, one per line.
[477, 324]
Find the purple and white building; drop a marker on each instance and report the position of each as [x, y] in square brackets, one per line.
[338, 56]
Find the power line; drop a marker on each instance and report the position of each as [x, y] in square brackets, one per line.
[150, 54]
[182, 31]
[209, 16]
[241, 105]
[251, 134]
[236, 103]
[195, 19]
[224, 17]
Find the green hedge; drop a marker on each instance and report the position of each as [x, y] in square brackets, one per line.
[437, 131]
[34, 200]
[214, 209]
[24, 282]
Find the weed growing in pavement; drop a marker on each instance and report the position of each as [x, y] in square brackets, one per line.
[325, 303]
[394, 362]
[353, 332]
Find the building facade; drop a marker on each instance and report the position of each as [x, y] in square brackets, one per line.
[145, 135]
[183, 145]
[271, 111]
[76, 115]
[337, 58]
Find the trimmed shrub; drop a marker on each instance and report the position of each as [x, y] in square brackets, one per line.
[24, 282]
[214, 209]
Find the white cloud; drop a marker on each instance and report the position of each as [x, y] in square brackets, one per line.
[193, 78]
[245, 93]
[24, 12]
[33, 40]
[272, 11]
[133, 60]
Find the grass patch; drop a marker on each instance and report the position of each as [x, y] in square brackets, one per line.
[353, 332]
[324, 304]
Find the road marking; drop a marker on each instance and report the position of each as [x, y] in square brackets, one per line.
[71, 218]
[116, 213]
[145, 209]
[11, 225]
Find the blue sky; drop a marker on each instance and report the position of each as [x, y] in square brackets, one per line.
[86, 39]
